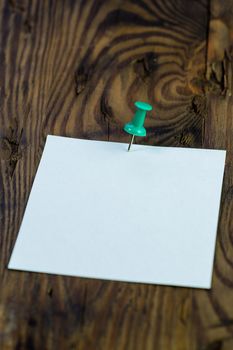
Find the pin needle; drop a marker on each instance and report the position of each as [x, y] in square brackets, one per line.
[132, 138]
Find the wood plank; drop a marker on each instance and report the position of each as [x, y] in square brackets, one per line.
[216, 307]
[74, 68]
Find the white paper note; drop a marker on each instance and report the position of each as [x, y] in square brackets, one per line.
[149, 215]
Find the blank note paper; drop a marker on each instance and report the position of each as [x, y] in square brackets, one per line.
[149, 215]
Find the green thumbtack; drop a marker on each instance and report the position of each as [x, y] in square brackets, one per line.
[135, 127]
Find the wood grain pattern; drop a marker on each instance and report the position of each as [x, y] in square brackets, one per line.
[220, 45]
[74, 68]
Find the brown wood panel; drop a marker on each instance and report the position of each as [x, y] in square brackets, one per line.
[220, 46]
[74, 68]
[217, 316]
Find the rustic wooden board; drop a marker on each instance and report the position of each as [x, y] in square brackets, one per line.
[74, 68]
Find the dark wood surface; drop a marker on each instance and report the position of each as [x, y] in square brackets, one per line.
[74, 68]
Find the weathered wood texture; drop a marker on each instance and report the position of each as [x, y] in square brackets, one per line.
[220, 46]
[218, 314]
[74, 68]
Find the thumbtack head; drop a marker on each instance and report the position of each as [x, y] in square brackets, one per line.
[135, 127]
[143, 106]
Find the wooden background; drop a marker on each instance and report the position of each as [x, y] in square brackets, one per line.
[74, 68]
